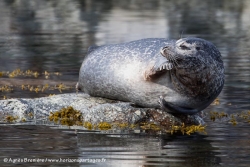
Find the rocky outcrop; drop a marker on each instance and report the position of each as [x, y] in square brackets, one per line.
[93, 109]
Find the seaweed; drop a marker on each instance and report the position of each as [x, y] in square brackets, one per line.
[67, 116]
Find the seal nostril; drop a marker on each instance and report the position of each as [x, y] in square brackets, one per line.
[198, 48]
[184, 47]
[163, 50]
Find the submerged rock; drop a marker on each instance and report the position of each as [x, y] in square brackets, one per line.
[94, 110]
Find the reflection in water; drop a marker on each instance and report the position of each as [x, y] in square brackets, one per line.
[125, 149]
[31, 141]
[45, 35]
[142, 149]
[219, 148]
[115, 29]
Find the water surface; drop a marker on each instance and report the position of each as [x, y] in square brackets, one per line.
[53, 36]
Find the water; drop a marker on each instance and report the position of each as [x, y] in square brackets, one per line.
[53, 36]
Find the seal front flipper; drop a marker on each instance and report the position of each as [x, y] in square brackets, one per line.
[171, 108]
[161, 65]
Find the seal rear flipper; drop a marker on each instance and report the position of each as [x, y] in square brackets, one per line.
[77, 87]
[171, 108]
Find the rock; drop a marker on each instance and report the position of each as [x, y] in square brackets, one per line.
[93, 109]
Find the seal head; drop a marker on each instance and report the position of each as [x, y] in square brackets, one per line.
[197, 73]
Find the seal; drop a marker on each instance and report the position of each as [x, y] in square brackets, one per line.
[178, 76]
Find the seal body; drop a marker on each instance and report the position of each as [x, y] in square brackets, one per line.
[182, 76]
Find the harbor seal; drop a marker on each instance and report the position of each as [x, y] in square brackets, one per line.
[178, 76]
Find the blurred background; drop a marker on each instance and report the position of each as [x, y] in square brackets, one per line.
[53, 36]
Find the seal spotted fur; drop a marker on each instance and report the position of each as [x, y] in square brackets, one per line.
[178, 76]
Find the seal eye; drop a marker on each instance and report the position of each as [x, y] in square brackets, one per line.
[198, 48]
[184, 47]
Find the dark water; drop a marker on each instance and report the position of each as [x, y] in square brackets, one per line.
[53, 36]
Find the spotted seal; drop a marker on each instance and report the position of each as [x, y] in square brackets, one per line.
[178, 76]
